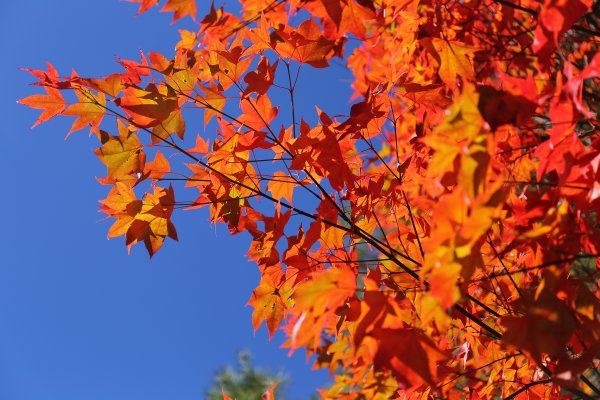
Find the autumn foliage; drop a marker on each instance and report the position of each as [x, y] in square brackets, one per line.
[438, 239]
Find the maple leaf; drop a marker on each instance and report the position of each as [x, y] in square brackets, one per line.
[152, 223]
[46, 78]
[500, 108]
[52, 103]
[345, 16]
[270, 300]
[322, 296]
[261, 80]
[257, 114]
[157, 168]
[228, 65]
[134, 70]
[305, 44]
[213, 101]
[117, 204]
[188, 41]
[123, 155]
[454, 61]
[338, 284]
[174, 123]
[181, 8]
[410, 355]
[201, 146]
[281, 186]
[110, 85]
[89, 110]
[147, 107]
[214, 17]
[146, 220]
[546, 329]
[145, 5]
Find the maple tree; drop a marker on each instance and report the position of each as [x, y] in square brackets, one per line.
[438, 240]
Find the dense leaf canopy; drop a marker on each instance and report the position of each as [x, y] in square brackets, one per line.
[439, 239]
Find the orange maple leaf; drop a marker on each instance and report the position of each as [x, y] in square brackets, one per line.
[147, 220]
[157, 168]
[123, 155]
[89, 110]
[281, 186]
[270, 299]
[147, 107]
[411, 356]
[305, 44]
[181, 8]
[52, 103]
[145, 6]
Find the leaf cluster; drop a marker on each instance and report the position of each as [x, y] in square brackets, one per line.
[438, 238]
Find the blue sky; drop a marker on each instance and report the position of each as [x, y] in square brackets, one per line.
[79, 318]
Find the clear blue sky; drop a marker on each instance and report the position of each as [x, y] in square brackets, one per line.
[79, 318]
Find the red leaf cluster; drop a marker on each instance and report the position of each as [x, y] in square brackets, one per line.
[437, 238]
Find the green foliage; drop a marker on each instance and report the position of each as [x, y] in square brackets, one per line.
[246, 382]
